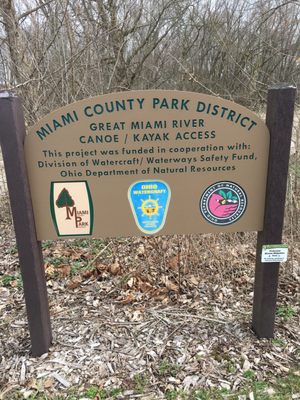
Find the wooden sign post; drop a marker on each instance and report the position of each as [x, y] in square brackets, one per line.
[143, 162]
[279, 119]
[12, 136]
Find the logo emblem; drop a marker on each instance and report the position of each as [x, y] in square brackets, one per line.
[149, 202]
[71, 208]
[223, 203]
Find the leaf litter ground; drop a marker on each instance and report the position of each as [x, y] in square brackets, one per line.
[149, 318]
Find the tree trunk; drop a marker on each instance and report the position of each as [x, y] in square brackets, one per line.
[12, 36]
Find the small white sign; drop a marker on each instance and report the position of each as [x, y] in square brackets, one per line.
[272, 253]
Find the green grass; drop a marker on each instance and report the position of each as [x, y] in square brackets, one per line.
[13, 249]
[171, 394]
[279, 342]
[46, 244]
[276, 388]
[140, 382]
[91, 393]
[102, 394]
[56, 261]
[249, 374]
[231, 367]
[95, 245]
[282, 388]
[168, 369]
[285, 312]
[7, 279]
[77, 267]
[11, 280]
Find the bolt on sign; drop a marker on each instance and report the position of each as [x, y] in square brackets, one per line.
[147, 162]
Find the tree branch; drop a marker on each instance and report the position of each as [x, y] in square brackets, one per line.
[33, 10]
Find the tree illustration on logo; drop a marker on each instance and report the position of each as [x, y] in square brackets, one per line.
[65, 200]
[228, 197]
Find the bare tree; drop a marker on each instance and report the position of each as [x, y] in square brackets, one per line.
[59, 51]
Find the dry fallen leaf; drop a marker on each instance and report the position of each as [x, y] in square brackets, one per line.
[64, 270]
[193, 280]
[169, 284]
[128, 299]
[130, 282]
[48, 383]
[101, 268]
[144, 286]
[49, 270]
[190, 381]
[87, 274]
[4, 292]
[75, 282]
[115, 268]
[136, 316]
[32, 384]
[173, 263]
[141, 250]
[13, 283]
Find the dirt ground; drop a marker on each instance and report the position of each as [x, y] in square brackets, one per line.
[150, 318]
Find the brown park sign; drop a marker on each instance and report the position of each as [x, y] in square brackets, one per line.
[146, 162]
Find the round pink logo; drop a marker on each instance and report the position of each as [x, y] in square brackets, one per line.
[223, 203]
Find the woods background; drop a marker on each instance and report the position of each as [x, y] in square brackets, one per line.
[56, 52]
[167, 316]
